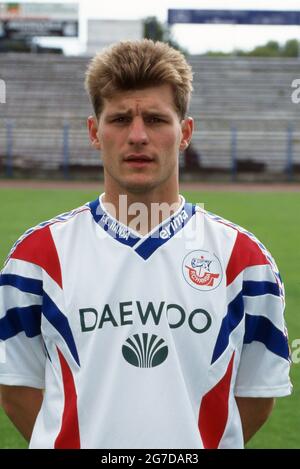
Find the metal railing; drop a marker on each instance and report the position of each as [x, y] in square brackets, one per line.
[232, 151]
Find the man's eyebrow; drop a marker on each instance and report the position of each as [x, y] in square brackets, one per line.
[155, 112]
[130, 112]
[119, 112]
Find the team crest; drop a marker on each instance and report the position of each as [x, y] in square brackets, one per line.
[202, 270]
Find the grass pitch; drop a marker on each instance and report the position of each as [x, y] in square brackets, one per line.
[273, 217]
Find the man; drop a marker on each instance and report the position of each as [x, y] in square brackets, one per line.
[158, 330]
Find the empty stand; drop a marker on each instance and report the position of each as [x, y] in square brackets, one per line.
[45, 93]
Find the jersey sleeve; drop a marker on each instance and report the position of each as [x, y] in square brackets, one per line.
[265, 362]
[22, 350]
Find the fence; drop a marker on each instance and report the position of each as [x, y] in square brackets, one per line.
[246, 121]
[231, 152]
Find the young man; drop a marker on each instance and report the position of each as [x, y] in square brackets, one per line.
[148, 322]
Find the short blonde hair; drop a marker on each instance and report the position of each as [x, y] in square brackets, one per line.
[130, 65]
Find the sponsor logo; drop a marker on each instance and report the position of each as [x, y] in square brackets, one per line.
[144, 350]
[202, 270]
[143, 314]
[116, 228]
[176, 223]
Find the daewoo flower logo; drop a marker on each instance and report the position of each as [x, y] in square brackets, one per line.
[145, 351]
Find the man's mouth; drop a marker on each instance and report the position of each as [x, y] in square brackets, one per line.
[138, 159]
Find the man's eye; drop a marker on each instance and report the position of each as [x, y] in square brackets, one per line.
[120, 119]
[155, 119]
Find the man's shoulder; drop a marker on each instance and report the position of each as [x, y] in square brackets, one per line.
[244, 238]
[246, 243]
[247, 250]
[39, 237]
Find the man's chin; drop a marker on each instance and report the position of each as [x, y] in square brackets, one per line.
[139, 184]
[139, 187]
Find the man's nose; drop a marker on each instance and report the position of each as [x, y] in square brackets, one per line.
[138, 133]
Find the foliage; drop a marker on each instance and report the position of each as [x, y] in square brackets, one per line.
[290, 48]
[157, 31]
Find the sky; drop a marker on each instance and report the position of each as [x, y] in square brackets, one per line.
[195, 38]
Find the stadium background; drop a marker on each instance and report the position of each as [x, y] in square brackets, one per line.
[244, 164]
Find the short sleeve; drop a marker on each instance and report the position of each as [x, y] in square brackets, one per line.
[265, 361]
[22, 355]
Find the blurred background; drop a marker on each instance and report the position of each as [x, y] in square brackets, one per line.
[245, 56]
[244, 160]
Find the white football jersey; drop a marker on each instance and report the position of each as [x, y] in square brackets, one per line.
[142, 341]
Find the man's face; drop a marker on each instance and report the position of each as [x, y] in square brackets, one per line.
[140, 134]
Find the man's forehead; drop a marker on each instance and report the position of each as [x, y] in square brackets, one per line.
[140, 100]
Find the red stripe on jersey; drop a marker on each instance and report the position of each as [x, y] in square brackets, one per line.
[68, 437]
[213, 412]
[245, 253]
[39, 248]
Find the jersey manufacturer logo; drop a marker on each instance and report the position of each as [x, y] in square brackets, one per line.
[145, 351]
[202, 270]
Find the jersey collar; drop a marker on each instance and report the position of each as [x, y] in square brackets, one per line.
[146, 245]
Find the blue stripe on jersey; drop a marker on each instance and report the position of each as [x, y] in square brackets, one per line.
[115, 229]
[28, 285]
[261, 329]
[166, 231]
[27, 319]
[252, 288]
[61, 324]
[235, 313]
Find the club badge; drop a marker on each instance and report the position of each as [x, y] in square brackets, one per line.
[202, 270]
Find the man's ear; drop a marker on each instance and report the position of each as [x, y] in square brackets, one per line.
[92, 125]
[187, 127]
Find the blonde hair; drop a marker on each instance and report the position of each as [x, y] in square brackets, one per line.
[130, 65]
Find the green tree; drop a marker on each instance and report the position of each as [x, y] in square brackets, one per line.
[291, 48]
[154, 29]
[271, 49]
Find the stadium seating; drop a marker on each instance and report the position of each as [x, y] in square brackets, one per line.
[252, 95]
[46, 100]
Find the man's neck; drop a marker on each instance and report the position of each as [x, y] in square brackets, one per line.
[142, 212]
